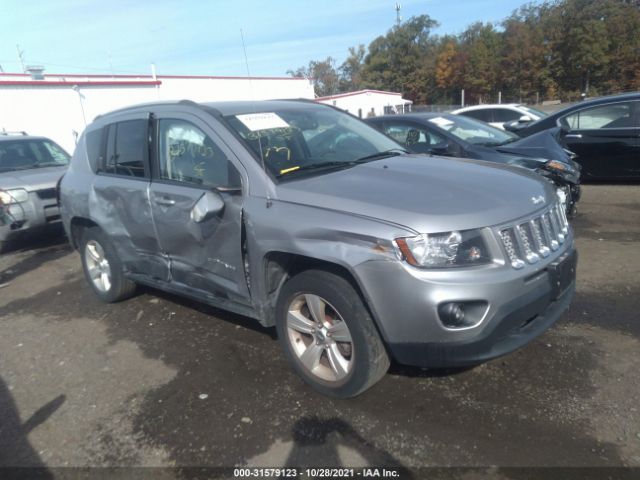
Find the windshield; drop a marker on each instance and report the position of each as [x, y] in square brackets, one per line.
[534, 111]
[28, 154]
[310, 137]
[472, 131]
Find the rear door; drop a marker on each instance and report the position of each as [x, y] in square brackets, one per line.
[119, 201]
[605, 138]
[191, 162]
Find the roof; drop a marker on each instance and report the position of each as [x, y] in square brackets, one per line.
[359, 92]
[94, 80]
[412, 115]
[20, 138]
[65, 83]
[487, 105]
[597, 101]
[228, 107]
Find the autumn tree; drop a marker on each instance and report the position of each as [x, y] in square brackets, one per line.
[351, 69]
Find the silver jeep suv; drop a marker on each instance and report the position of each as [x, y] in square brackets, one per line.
[303, 217]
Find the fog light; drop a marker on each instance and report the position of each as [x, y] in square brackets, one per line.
[452, 314]
[467, 314]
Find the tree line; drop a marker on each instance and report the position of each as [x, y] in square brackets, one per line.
[556, 49]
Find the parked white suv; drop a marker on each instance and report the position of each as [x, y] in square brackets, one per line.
[499, 114]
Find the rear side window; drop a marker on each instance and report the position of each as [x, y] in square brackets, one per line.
[127, 149]
[482, 115]
[94, 148]
[505, 115]
[615, 115]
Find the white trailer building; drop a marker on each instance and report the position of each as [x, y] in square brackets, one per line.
[367, 103]
[59, 106]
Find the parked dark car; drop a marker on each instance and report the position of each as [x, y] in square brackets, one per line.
[30, 168]
[603, 132]
[457, 136]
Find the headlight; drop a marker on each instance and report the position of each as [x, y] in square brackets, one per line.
[557, 166]
[449, 249]
[17, 195]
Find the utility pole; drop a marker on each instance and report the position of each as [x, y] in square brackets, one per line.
[20, 57]
[398, 17]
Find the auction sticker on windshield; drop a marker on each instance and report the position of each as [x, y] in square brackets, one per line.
[262, 121]
[441, 122]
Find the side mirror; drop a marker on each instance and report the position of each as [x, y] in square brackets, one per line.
[525, 119]
[209, 205]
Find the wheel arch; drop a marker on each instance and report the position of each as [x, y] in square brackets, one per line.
[279, 266]
[76, 226]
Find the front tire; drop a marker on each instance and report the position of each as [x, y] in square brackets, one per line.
[102, 267]
[328, 334]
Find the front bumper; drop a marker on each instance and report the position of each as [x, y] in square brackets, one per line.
[522, 304]
[38, 212]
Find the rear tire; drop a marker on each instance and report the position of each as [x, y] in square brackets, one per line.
[340, 356]
[102, 267]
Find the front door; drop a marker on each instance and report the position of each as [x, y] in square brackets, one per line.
[191, 163]
[605, 138]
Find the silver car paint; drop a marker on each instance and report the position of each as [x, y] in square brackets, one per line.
[347, 218]
[35, 211]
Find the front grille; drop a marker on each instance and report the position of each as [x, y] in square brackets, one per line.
[46, 193]
[537, 237]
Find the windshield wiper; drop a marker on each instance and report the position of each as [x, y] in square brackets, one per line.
[394, 152]
[315, 166]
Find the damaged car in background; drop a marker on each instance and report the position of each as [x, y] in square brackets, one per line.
[458, 136]
[305, 218]
[30, 168]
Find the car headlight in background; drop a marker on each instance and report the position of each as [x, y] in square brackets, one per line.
[448, 249]
[18, 195]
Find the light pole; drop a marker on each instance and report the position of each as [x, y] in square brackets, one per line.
[76, 88]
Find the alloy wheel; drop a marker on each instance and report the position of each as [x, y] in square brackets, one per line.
[320, 338]
[98, 266]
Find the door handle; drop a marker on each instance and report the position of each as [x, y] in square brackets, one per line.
[573, 135]
[166, 202]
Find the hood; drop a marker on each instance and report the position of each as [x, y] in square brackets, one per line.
[426, 194]
[540, 145]
[32, 179]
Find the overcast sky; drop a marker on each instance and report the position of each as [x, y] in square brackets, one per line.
[203, 37]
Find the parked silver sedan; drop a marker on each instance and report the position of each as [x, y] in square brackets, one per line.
[30, 168]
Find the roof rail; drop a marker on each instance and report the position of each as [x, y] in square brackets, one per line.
[157, 104]
[16, 132]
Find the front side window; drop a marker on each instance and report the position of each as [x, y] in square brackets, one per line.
[309, 137]
[472, 131]
[614, 115]
[533, 111]
[188, 155]
[127, 147]
[413, 137]
[28, 154]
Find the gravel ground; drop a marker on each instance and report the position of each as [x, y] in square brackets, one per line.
[162, 381]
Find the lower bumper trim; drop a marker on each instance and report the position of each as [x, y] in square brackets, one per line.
[515, 330]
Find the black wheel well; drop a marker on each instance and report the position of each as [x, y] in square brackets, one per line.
[77, 226]
[280, 266]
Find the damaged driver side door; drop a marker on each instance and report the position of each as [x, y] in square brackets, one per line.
[196, 201]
